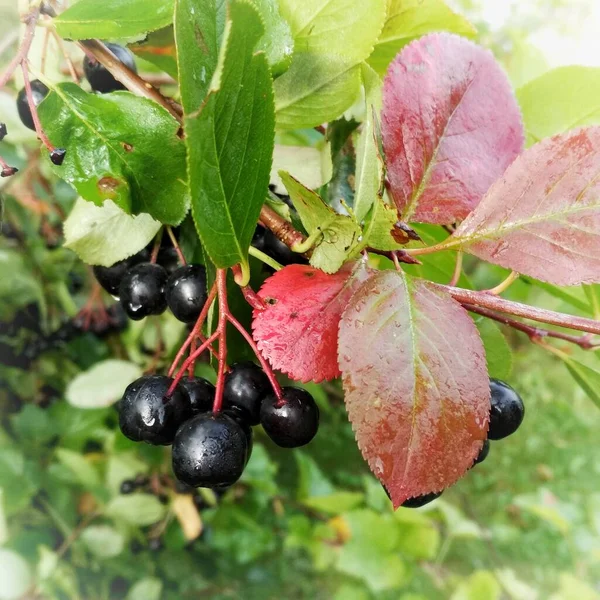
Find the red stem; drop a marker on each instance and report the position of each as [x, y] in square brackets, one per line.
[222, 334]
[34, 113]
[251, 297]
[156, 247]
[21, 55]
[176, 246]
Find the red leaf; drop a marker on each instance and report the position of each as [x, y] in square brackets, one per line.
[450, 125]
[416, 383]
[543, 217]
[298, 331]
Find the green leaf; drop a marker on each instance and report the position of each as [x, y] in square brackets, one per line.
[18, 286]
[119, 147]
[482, 585]
[306, 164]
[587, 378]
[497, 351]
[334, 503]
[113, 19]
[139, 509]
[19, 478]
[419, 541]
[339, 234]
[379, 226]
[158, 48]
[91, 231]
[277, 42]
[3, 523]
[102, 385]
[561, 99]
[15, 575]
[369, 164]
[149, 588]
[82, 468]
[592, 293]
[230, 141]
[311, 480]
[407, 20]
[103, 541]
[324, 77]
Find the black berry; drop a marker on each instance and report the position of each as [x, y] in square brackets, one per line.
[98, 75]
[168, 258]
[294, 423]
[241, 418]
[38, 92]
[57, 156]
[110, 277]
[209, 451]
[128, 487]
[186, 292]
[146, 415]
[419, 501]
[246, 385]
[201, 393]
[507, 410]
[142, 291]
[483, 453]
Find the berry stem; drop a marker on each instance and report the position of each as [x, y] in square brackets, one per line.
[457, 269]
[196, 331]
[535, 333]
[265, 258]
[70, 65]
[156, 247]
[176, 245]
[251, 297]
[263, 363]
[281, 229]
[501, 305]
[222, 334]
[504, 285]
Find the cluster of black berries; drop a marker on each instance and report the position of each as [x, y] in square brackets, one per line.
[506, 415]
[146, 288]
[212, 449]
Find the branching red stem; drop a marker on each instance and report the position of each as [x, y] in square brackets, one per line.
[251, 297]
[34, 113]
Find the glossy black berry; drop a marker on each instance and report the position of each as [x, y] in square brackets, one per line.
[142, 291]
[186, 292]
[294, 423]
[507, 410]
[110, 277]
[419, 501]
[246, 385]
[483, 453]
[146, 415]
[57, 156]
[38, 92]
[168, 258]
[98, 75]
[209, 451]
[240, 416]
[128, 487]
[201, 393]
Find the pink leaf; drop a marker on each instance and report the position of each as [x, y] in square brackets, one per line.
[416, 383]
[450, 125]
[298, 330]
[543, 217]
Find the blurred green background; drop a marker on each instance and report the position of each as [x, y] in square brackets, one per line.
[312, 523]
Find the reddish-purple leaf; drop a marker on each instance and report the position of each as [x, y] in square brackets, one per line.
[450, 125]
[416, 383]
[543, 217]
[298, 331]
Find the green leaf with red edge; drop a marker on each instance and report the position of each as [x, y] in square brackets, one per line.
[542, 218]
[416, 382]
[298, 331]
[450, 126]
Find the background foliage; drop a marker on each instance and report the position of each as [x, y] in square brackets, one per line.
[309, 524]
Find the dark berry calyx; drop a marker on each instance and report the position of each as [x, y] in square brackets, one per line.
[110, 277]
[142, 291]
[418, 501]
[38, 92]
[57, 156]
[246, 385]
[293, 423]
[146, 414]
[210, 451]
[507, 410]
[98, 75]
[201, 393]
[186, 292]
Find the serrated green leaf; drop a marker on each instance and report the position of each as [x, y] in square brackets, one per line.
[324, 77]
[277, 42]
[91, 231]
[84, 471]
[113, 19]
[497, 351]
[407, 20]
[103, 384]
[119, 147]
[379, 226]
[560, 100]
[369, 165]
[339, 233]
[138, 509]
[587, 378]
[230, 140]
[103, 541]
